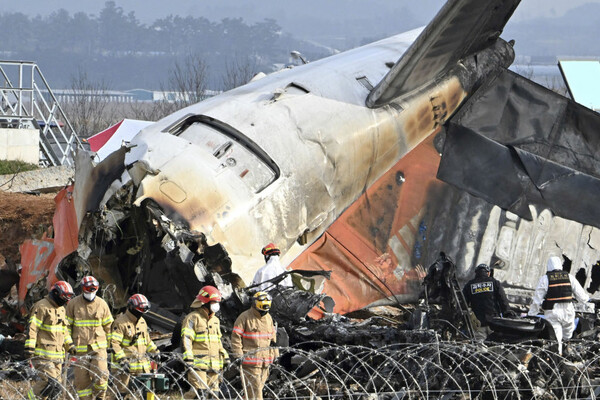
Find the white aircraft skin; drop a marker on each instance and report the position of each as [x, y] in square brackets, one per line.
[313, 123]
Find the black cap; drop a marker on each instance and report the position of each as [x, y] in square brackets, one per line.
[484, 267]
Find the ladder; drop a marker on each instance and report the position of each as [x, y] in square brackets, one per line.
[461, 303]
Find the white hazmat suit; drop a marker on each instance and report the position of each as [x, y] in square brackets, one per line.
[269, 271]
[562, 315]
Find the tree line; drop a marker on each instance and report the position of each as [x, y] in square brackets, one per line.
[116, 47]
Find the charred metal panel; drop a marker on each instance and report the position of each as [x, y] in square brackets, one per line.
[370, 247]
[459, 29]
[485, 168]
[92, 182]
[39, 258]
[516, 144]
[291, 305]
[517, 112]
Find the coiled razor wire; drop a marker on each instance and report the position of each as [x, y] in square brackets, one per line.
[319, 370]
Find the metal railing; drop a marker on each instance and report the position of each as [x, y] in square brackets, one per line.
[26, 101]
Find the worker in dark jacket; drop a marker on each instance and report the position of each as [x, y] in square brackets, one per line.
[487, 299]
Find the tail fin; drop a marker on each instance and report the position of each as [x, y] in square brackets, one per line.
[461, 28]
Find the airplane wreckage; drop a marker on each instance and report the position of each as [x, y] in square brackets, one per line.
[360, 166]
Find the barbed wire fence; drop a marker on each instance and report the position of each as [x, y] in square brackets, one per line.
[320, 370]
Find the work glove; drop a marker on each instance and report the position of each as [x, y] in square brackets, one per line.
[28, 352]
[226, 362]
[224, 357]
[135, 337]
[72, 350]
[125, 366]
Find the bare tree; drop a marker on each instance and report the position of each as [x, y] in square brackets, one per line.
[238, 72]
[149, 110]
[554, 83]
[88, 109]
[557, 85]
[188, 79]
[525, 70]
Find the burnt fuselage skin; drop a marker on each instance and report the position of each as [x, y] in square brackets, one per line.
[312, 123]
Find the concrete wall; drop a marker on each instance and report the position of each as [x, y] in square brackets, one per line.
[20, 144]
[43, 180]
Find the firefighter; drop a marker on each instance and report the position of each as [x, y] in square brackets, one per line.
[271, 269]
[252, 337]
[47, 339]
[130, 341]
[89, 322]
[554, 294]
[487, 299]
[202, 347]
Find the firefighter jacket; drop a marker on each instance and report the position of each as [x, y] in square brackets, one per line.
[89, 323]
[201, 339]
[130, 340]
[48, 335]
[486, 297]
[252, 331]
[559, 289]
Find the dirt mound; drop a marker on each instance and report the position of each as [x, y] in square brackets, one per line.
[22, 216]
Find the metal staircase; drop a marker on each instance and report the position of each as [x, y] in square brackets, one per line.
[26, 101]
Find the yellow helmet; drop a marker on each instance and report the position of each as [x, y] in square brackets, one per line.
[262, 301]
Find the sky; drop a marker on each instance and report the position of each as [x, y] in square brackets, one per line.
[149, 10]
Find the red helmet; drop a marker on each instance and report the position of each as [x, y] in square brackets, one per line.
[271, 250]
[89, 284]
[139, 302]
[62, 290]
[208, 294]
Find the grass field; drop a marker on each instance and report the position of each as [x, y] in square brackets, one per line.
[12, 167]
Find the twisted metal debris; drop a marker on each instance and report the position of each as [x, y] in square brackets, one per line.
[444, 370]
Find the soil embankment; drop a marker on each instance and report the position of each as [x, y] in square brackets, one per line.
[22, 216]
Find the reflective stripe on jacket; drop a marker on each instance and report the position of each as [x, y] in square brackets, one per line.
[89, 323]
[48, 334]
[130, 340]
[201, 339]
[252, 337]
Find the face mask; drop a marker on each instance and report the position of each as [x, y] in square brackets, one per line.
[135, 313]
[89, 296]
[55, 298]
[215, 307]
